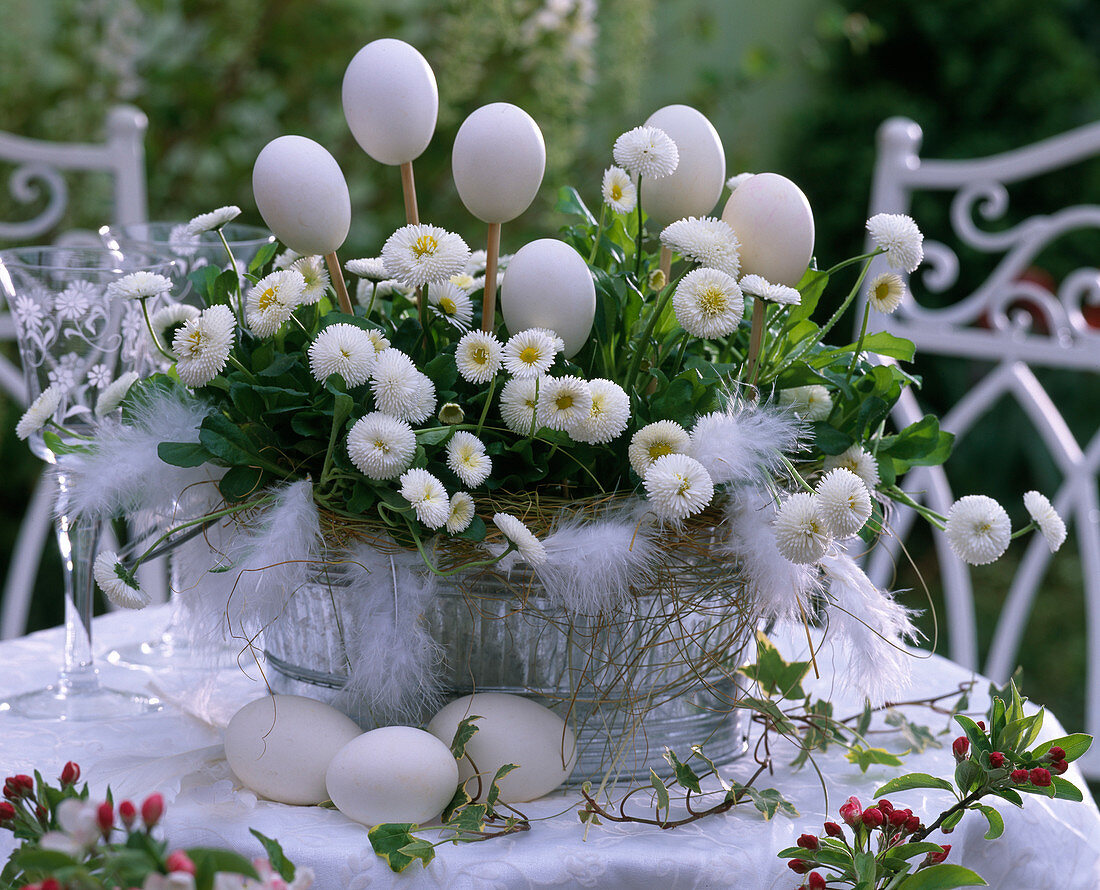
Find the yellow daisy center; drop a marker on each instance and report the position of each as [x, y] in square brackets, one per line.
[659, 449]
[713, 301]
[882, 291]
[616, 192]
[424, 246]
[529, 355]
[480, 355]
[268, 298]
[193, 344]
[448, 305]
[382, 445]
[564, 402]
[683, 487]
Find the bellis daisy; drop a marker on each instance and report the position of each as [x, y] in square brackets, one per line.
[381, 446]
[978, 529]
[530, 353]
[272, 300]
[478, 356]
[396, 384]
[763, 289]
[315, 276]
[801, 533]
[527, 545]
[886, 292]
[420, 254]
[427, 496]
[467, 458]
[518, 400]
[139, 286]
[563, 402]
[859, 461]
[656, 440]
[113, 395]
[342, 349]
[378, 339]
[707, 241]
[708, 303]
[215, 219]
[808, 402]
[1043, 514]
[678, 486]
[423, 404]
[286, 259]
[619, 192]
[169, 316]
[609, 415]
[40, 410]
[647, 151]
[899, 236]
[451, 303]
[118, 583]
[844, 502]
[370, 268]
[202, 345]
[462, 513]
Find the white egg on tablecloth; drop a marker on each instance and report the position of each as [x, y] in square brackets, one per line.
[497, 162]
[775, 226]
[393, 774]
[549, 285]
[301, 194]
[513, 729]
[280, 746]
[695, 186]
[391, 100]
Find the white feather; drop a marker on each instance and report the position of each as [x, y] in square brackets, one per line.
[744, 442]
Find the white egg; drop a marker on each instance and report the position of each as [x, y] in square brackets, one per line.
[390, 100]
[279, 746]
[775, 226]
[301, 193]
[393, 774]
[694, 188]
[515, 730]
[498, 161]
[549, 285]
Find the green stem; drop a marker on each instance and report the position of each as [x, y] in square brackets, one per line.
[535, 411]
[485, 408]
[599, 232]
[373, 294]
[239, 307]
[851, 261]
[643, 343]
[235, 362]
[859, 344]
[931, 516]
[676, 368]
[638, 246]
[795, 474]
[327, 466]
[202, 520]
[1030, 527]
[756, 339]
[152, 333]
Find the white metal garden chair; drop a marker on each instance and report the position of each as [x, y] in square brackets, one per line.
[39, 174]
[996, 323]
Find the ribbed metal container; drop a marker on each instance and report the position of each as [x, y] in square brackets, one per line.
[629, 686]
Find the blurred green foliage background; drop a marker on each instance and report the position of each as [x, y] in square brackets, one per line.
[798, 87]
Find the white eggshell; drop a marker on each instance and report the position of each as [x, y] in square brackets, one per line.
[775, 226]
[549, 285]
[393, 774]
[280, 746]
[516, 730]
[694, 188]
[301, 193]
[498, 161]
[390, 100]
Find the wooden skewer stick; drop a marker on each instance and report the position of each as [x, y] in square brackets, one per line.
[489, 298]
[666, 262]
[337, 275]
[408, 186]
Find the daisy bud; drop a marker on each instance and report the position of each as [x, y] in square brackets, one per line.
[1058, 767]
[105, 818]
[657, 280]
[938, 856]
[70, 774]
[852, 812]
[960, 747]
[872, 817]
[451, 413]
[1040, 777]
[7, 812]
[996, 760]
[152, 809]
[833, 830]
[912, 824]
[1019, 776]
[798, 866]
[816, 882]
[127, 814]
[179, 861]
[808, 842]
[1056, 753]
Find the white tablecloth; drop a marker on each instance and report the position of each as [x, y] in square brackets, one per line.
[1050, 843]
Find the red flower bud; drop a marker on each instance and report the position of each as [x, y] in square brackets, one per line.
[960, 747]
[798, 866]
[899, 817]
[152, 809]
[981, 725]
[17, 787]
[937, 856]
[105, 818]
[1019, 776]
[70, 774]
[1058, 767]
[833, 830]
[51, 884]
[816, 882]
[886, 807]
[808, 842]
[1040, 777]
[7, 811]
[179, 861]
[852, 812]
[912, 824]
[872, 817]
[42, 814]
[996, 759]
[1056, 753]
[127, 813]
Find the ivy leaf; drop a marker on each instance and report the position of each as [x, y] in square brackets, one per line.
[419, 849]
[866, 757]
[911, 781]
[275, 856]
[769, 709]
[389, 839]
[685, 775]
[769, 801]
[660, 788]
[460, 799]
[463, 734]
[494, 792]
[775, 675]
[944, 876]
[470, 818]
[916, 736]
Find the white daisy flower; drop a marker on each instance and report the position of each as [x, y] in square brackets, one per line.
[886, 292]
[518, 401]
[370, 268]
[170, 316]
[40, 410]
[527, 545]
[531, 353]
[708, 303]
[427, 496]
[342, 349]
[139, 286]
[678, 486]
[899, 236]
[740, 179]
[462, 513]
[113, 395]
[451, 303]
[118, 583]
[381, 446]
[801, 533]
[859, 461]
[478, 356]
[465, 282]
[423, 401]
[467, 458]
[707, 241]
[378, 339]
[978, 529]
[647, 151]
[475, 265]
[656, 440]
[808, 402]
[844, 502]
[272, 300]
[609, 415]
[420, 254]
[215, 219]
[203, 344]
[564, 402]
[763, 289]
[286, 259]
[182, 242]
[396, 385]
[1043, 514]
[315, 276]
[619, 192]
